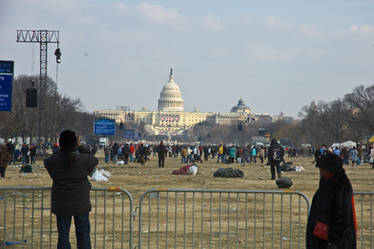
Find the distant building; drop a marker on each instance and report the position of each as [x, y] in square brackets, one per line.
[241, 107]
[282, 117]
[171, 119]
[263, 118]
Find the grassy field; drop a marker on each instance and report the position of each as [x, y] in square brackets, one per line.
[138, 178]
[198, 219]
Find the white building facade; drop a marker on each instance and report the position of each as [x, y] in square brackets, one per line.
[171, 119]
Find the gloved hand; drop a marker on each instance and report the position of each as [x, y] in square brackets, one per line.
[331, 245]
[84, 148]
[92, 172]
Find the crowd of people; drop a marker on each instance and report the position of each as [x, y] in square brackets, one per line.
[351, 156]
[24, 153]
[140, 153]
[222, 153]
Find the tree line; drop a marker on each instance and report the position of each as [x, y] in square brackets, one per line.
[348, 118]
[57, 112]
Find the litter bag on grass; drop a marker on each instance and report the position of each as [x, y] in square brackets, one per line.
[26, 169]
[284, 182]
[186, 170]
[100, 175]
[228, 172]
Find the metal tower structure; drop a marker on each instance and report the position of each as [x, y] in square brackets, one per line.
[43, 37]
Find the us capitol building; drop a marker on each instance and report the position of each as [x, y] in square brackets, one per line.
[171, 119]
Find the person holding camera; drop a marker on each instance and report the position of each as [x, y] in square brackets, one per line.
[71, 190]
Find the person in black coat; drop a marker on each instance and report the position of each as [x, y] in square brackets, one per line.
[161, 151]
[126, 153]
[142, 153]
[10, 148]
[70, 194]
[24, 153]
[276, 154]
[332, 218]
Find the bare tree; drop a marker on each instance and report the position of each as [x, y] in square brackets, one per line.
[361, 106]
[59, 112]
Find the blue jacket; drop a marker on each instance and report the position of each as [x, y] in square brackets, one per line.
[232, 152]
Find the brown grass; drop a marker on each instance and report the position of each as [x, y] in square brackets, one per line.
[138, 178]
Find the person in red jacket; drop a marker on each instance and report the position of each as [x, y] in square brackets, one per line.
[132, 151]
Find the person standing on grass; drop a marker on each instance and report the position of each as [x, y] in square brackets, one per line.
[332, 219]
[132, 152]
[245, 154]
[114, 151]
[370, 156]
[337, 151]
[25, 154]
[5, 157]
[359, 154]
[70, 195]
[276, 154]
[221, 154]
[206, 152]
[10, 148]
[184, 155]
[261, 154]
[33, 154]
[254, 153]
[353, 154]
[232, 154]
[107, 154]
[161, 151]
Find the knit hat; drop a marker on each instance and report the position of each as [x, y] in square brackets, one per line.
[273, 141]
[68, 140]
[331, 162]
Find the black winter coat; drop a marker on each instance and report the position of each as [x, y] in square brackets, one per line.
[161, 150]
[275, 147]
[333, 205]
[71, 188]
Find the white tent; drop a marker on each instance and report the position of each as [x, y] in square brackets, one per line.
[349, 144]
[335, 145]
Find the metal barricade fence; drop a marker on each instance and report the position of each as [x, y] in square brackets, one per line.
[364, 216]
[199, 218]
[176, 218]
[26, 220]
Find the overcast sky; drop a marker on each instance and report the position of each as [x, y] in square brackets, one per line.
[276, 55]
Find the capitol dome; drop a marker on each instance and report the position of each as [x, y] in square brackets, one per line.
[241, 107]
[171, 96]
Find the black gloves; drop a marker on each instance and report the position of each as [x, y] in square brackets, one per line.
[331, 245]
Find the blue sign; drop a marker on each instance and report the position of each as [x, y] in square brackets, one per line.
[104, 127]
[131, 135]
[6, 67]
[6, 83]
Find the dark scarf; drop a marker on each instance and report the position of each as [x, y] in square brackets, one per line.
[322, 210]
[324, 195]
